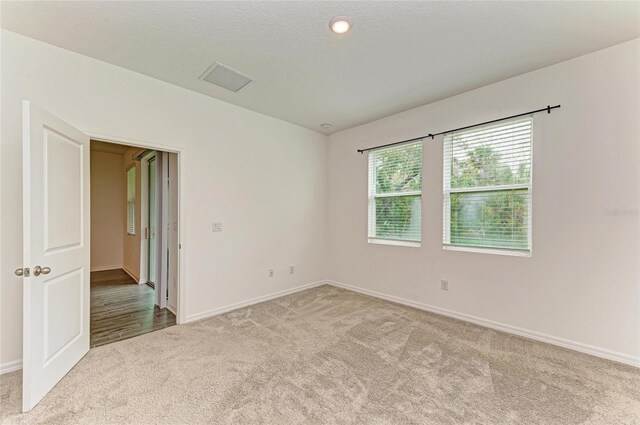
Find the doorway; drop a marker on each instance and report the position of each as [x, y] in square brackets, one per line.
[133, 203]
[57, 235]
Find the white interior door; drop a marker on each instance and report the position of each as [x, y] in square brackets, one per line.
[56, 250]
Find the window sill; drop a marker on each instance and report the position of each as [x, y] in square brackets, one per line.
[395, 242]
[481, 250]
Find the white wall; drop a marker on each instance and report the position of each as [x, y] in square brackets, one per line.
[107, 210]
[582, 283]
[265, 179]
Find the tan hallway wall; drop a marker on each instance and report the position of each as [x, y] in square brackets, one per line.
[107, 210]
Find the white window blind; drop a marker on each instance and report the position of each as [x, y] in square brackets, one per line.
[131, 201]
[487, 186]
[395, 193]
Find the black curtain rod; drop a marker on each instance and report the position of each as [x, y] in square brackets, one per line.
[547, 109]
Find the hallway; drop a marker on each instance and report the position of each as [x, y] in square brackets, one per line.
[122, 309]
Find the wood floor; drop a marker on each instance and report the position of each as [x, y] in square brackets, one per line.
[122, 309]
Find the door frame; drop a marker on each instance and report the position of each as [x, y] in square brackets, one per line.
[180, 152]
[144, 217]
[162, 295]
[161, 283]
[158, 223]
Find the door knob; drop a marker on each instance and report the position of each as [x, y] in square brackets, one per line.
[37, 270]
[22, 272]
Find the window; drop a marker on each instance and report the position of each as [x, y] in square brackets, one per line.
[131, 200]
[395, 194]
[487, 187]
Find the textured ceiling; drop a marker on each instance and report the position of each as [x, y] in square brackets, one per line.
[398, 55]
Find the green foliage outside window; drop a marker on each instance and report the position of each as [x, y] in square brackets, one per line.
[398, 171]
[489, 218]
[398, 217]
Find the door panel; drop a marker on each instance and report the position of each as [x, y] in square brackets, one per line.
[63, 312]
[56, 239]
[63, 179]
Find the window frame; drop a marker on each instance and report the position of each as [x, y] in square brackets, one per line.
[135, 178]
[446, 200]
[372, 237]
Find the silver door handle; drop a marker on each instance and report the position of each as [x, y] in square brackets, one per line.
[26, 272]
[37, 270]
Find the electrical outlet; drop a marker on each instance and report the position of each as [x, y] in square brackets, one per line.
[271, 273]
[216, 227]
[444, 285]
[292, 269]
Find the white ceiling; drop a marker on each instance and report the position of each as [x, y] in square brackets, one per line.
[399, 55]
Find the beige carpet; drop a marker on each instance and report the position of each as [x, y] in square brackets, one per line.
[330, 356]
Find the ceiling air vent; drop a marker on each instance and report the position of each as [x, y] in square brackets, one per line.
[225, 77]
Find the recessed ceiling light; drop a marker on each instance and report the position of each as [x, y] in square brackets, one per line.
[325, 125]
[340, 24]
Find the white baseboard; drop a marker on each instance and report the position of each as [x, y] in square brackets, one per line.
[537, 336]
[105, 268]
[256, 300]
[172, 309]
[10, 366]
[130, 273]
